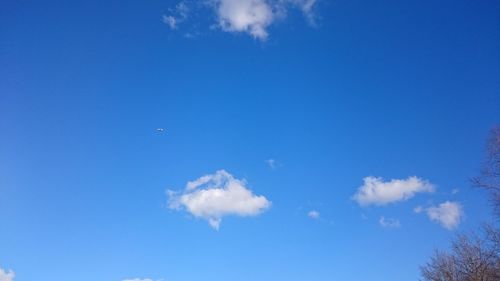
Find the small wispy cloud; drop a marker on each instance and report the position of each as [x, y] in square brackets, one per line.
[177, 15]
[307, 7]
[447, 214]
[389, 222]
[272, 163]
[313, 214]
[376, 191]
[140, 279]
[7, 275]
[170, 21]
[418, 209]
[253, 17]
[213, 196]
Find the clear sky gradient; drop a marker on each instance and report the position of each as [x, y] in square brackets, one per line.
[347, 90]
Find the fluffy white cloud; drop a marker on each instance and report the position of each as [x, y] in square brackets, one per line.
[7, 275]
[313, 214]
[251, 16]
[246, 16]
[214, 196]
[448, 214]
[375, 191]
[389, 223]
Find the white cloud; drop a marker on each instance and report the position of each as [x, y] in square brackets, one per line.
[447, 214]
[273, 164]
[375, 191]
[307, 7]
[177, 15]
[170, 21]
[253, 17]
[389, 223]
[7, 275]
[313, 214]
[214, 196]
[418, 209]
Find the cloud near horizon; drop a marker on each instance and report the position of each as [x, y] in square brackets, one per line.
[448, 214]
[213, 196]
[376, 191]
[7, 275]
[253, 17]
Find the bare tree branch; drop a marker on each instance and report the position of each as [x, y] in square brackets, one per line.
[490, 172]
[473, 257]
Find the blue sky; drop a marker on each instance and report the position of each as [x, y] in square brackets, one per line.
[374, 114]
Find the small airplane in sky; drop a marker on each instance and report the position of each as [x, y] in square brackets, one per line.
[160, 130]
